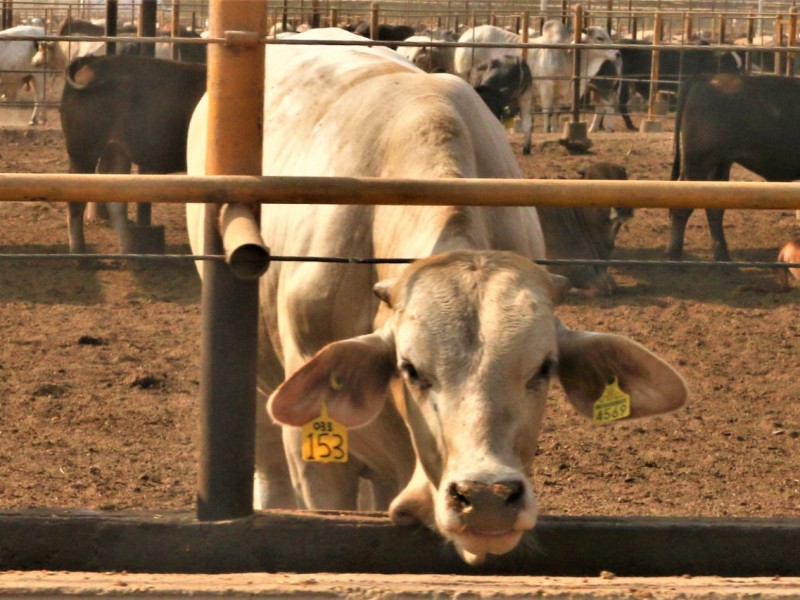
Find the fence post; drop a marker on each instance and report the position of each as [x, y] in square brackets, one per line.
[112, 14]
[751, 30]
[688, 28]
[525, 33]
[148, 11]
[8, 14]
[778, 43]
[374, 13]
[334, 17]
[229, 344]
[574, 137]
[790, 56]
[651, 124]
[610, 18]
[175, 28]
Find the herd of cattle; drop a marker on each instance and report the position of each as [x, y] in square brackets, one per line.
[440, 368]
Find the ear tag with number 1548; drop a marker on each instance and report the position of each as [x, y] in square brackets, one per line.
[324, 440]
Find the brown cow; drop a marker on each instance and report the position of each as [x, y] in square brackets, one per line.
[118, 110]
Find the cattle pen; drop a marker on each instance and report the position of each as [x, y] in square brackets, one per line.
[226, 536]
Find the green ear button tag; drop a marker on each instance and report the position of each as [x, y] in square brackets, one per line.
[613, 404]
[325, 440]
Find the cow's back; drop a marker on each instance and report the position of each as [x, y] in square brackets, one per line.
[144, 104]
[366, 112]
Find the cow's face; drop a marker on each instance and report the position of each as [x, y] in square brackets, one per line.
[475, 344]
[468, 353]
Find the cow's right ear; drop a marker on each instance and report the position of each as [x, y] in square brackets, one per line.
[351, 376]
[383, 290]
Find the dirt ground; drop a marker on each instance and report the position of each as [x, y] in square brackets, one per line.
[99, 366]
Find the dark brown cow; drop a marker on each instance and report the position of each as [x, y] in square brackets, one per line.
[118, 110]
[585, 233]
[727, 119]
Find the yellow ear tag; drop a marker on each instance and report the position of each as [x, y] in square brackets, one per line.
[613, 404]
[325, 440]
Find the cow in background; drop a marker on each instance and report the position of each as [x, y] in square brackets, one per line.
[501, 82]
[17, 70]
[585, 232]
[386, 33]
[753, 121]
[674, 67]
[442, 375]
[551, 68]
[432, 59]
[118, 110]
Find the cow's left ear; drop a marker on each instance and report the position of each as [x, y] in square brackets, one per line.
[588, 362]
[351, 376]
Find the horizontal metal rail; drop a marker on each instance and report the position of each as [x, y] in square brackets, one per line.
[178, 189]
[399, 261]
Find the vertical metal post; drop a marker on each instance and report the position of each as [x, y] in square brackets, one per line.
[654, 68]
[524, 29]
[688, 27]
[609, 18]
[751, 31]
[148, 10]
[778, 43]
[334, 17]
[374, 12]
[230, 305]
[790, 56]
[175, 28]
[8, 14]
[315, 15]
[112, 15]
[576, 64]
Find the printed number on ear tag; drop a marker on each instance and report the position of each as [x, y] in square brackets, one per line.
[324, 440]
[613, 404]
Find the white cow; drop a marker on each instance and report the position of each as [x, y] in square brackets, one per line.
[443, 376]
[551, 68]
[16, 69]
[433, 59]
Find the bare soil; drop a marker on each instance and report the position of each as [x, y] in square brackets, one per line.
[99, 366]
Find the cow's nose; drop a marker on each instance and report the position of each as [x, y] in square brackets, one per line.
[487, 507]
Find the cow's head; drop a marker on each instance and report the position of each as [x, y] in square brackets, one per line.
[469, 351]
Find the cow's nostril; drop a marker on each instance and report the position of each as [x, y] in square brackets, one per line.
[459, 496]
[516, 493]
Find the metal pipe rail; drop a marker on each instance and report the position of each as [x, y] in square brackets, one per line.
[178, 189]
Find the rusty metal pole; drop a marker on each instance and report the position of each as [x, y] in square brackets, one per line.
[8, 14]
[525, 33]
[175, 28]
[576, 64]
[651, 124]
[790, 56]
[230, 305]
[778, 70]
[751, 31]
[374, 13]
[148, 12]
[112, 14]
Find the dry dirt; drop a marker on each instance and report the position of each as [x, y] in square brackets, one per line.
[99, 366]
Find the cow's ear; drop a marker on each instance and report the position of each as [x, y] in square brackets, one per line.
[561, 285]
[383, 290]
[588, 362]
[351, 376]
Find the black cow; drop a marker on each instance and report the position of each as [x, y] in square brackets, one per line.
[500, 82]
[753, 121]
[386, 33]
[118, 110]
[674, 66]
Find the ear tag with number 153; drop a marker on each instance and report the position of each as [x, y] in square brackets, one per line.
[613, 404]
[324, 440]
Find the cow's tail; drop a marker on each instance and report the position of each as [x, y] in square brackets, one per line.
[79, 74]
[676, 161]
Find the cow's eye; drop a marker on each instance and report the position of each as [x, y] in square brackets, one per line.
[546, 370]
[410, 374]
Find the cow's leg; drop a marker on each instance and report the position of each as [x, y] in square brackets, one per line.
[37, 85]
[624, 97]
[115, 160]
[77, 241]
[719, 246]
[272, 483]
[678, 219]
[526, 113]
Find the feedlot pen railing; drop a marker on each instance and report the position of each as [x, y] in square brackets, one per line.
[275, 541]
